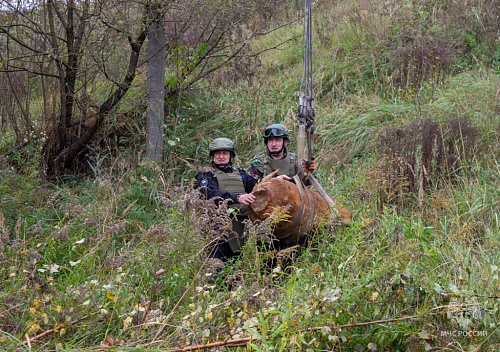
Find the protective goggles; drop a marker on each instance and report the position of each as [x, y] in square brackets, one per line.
[273, 132]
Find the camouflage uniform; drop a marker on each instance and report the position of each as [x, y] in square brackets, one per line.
[263, 165]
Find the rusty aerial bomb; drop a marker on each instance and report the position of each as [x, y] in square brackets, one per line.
[305, 206]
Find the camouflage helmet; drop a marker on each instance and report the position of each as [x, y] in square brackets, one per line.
[276, 130]
[222, 144]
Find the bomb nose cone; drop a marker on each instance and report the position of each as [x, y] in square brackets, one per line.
[261, 200]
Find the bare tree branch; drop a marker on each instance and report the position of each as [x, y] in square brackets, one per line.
[68, 154]
[204, 74]
[24, 69]
[58, 13]
[18, 41]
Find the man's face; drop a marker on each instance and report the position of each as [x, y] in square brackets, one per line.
[222, 157]
[275, 144]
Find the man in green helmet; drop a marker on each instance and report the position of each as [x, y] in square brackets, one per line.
[225, 182]
[277, 157]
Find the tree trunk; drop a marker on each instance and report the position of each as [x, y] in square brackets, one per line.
[68, 155]
[156, 85]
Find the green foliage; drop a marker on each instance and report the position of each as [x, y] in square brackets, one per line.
[184, 60]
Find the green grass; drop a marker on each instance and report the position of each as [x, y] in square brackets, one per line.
[81, 257]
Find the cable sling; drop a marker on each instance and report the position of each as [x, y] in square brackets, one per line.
[306, 114]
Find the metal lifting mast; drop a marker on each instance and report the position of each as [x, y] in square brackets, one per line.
[306, 114]
[306, 96]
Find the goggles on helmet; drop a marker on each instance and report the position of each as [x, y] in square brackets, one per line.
[273, 132]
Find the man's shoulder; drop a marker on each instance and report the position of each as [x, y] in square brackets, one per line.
[242, 171]
[258, 159]
[205, 172]
[205, 178]
[256, 166]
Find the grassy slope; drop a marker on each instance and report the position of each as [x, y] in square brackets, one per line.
[82, 258]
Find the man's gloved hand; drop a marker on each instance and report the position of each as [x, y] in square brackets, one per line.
[309, 166]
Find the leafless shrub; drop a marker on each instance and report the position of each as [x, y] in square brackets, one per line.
[422, 59]
[74, 210]
[261, 230]
[36, 229]
[213, 266]
[423, 154]
[14, 92]
[89, 222]
[5, 233]
[115, 228]
[33, 255]
[119, 261]
[389, 179]
[209, 218]
[244, 69]
[62, 234]
[157, 233]
[362, 194]
[236, 279]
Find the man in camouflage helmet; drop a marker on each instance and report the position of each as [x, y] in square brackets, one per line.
[225, 182]
[277, 157]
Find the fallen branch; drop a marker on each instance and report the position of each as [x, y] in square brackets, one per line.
[217, 344]
[248, 339]
[381, 321]
[16, 148]
[408, 317]
[28, 341]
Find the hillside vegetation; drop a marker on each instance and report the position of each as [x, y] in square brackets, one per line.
[408, 139]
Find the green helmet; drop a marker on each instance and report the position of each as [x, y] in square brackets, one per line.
[276, 130]
[222, 144]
